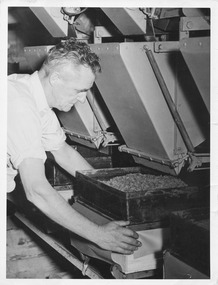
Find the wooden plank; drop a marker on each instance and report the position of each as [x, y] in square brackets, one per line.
[27, 258]
[34, 267]
[59, 248]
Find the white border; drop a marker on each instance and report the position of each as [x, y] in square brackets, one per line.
[213, 4]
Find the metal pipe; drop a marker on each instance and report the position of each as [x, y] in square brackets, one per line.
[169, 100]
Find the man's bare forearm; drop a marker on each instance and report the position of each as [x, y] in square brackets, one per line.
[70, 160]
[51, 203]
[112, 236]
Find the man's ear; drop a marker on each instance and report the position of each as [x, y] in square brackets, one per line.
[54, 78]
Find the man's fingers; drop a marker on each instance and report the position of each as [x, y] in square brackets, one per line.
[129, 233]
[125, 251]
[129, 247]
[122, 223]
[129, 236]
[126, 248]
[118, 238]
[132, 241]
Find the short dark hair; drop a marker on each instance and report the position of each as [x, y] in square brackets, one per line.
[74, 51]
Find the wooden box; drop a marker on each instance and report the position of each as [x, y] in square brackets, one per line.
[144, 206]
[190, 237]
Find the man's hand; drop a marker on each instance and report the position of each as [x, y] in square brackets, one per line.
[115, 237]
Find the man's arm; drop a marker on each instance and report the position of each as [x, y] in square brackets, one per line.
[70, 159]
[112, 236]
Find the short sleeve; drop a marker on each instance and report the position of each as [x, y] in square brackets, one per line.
[23, 131]
[53, 135]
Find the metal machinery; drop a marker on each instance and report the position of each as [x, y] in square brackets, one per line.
[151, 101]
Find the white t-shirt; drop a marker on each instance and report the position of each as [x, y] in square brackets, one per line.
[32, 126]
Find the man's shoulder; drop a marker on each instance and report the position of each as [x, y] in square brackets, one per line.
[18, 78]
[20, 99]
[19, 89]
[18, 81]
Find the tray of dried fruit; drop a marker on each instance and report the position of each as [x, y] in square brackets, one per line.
[136, 194]
[188, 226]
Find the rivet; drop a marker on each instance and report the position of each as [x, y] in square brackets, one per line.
[160, 47]
[99, 34]
[189, 25]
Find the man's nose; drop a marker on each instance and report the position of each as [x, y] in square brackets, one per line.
[82, 97]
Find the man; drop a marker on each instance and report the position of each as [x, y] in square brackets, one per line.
[67, 74]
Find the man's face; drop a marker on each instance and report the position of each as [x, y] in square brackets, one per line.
[71, 87]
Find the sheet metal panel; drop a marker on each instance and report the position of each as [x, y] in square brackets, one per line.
[52, 19]
[121, 97]
[196, 52]
[130, 21]
[82, 123]
[134, 98]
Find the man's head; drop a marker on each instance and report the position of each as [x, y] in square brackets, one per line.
[69, 71]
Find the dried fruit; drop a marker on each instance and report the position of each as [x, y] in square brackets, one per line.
[142, 182]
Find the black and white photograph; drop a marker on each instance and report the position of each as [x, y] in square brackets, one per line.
[109, 123]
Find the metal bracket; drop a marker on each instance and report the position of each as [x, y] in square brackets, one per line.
[196, 161]
[102, 137]
[160, 47]
[99, 33]
[80, 136]
[194, 23]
